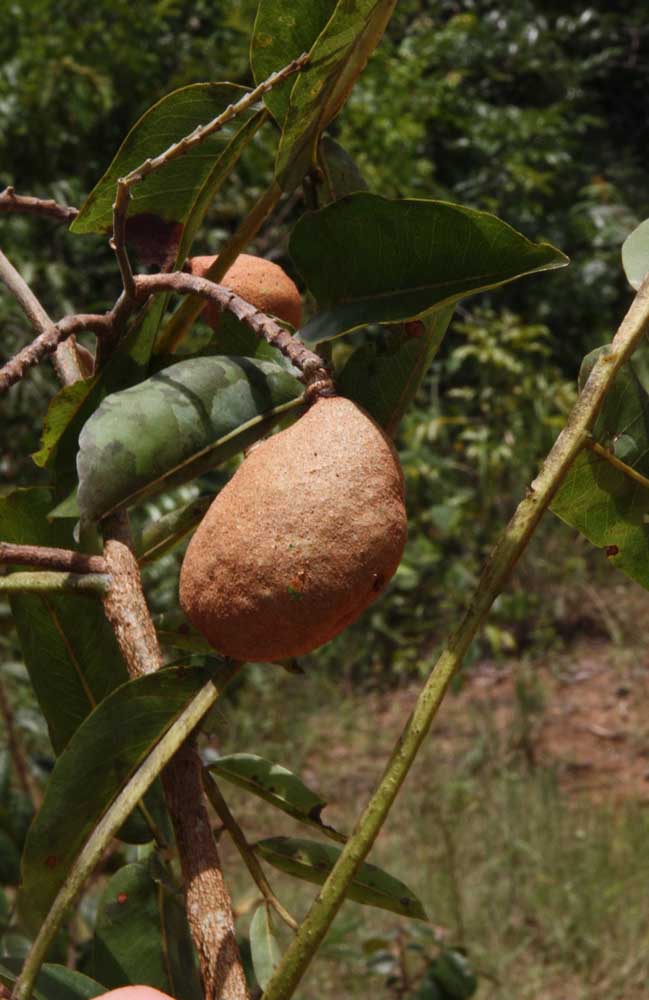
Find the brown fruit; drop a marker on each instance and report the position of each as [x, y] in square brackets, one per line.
[258, 281]
[301, 540]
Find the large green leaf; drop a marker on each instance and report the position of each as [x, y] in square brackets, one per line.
[385, 380]
[339, 175]
[277, 785]
[605, 501]
[142, 936]
[282, 32]
[368, 259]
[176, 425]
[264, 945]
[53, 982]
[98, 761]
[167, 197]
[69, 648]
[337, 59]
[312, 862]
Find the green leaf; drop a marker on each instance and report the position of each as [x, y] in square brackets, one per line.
[174, 630]
[635, 255]
[281, 34]
[312, 862]
[69, 648]
[604, 502]
[62, 409]
[385, 381]
[389, 261]
[142, 936]
[53, 982]
[339, 174]
[165, 199]
[337, 59]
[266, 952]
[101, 756]
[452, 971]
[276, 785]
[158, 537]
[176, 425]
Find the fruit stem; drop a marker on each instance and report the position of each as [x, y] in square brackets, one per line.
[573, 438]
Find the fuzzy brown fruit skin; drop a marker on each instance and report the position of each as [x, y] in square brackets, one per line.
[302, 539]
[259, 282]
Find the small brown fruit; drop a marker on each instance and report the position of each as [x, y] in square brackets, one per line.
[259, 282]
[302, 539]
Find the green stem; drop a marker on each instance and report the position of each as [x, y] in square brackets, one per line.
[495, 574]
[111, 821]
[79, 583]
[249, 857]
[180, 323]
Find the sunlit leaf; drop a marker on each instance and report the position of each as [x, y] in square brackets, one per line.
[312, 862]
[635, 255]
[388, 261]
[264, 945]
[276, 785]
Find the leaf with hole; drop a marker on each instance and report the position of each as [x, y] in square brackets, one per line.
[277, 785]
[266, 952]
[142, 935]
[69, 648]
[99, 760]
[394, 260]
[176, 425]
[312, 862]
[609, 503]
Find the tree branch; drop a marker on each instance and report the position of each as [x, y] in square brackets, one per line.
[48, 342]
[208, 904]
[43, 557]
[12, 202]
[45, 582]
[314, 374]
[200, 133]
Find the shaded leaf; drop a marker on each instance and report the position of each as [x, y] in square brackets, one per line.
[101, 756]
[174, 629]
[388, 261]
[312, 862]
[158, 537]
[266, 952]
[69, 648]
[339, 175]
[635, 255]
[176, 425]
[385, 381]
[142, 936]
[170, 193]
[282, 33]
[276, 785]
[53, 982]
[9, 860]
[452, 971]
[337, 58]
[606, 503]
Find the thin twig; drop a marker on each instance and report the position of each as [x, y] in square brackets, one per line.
[249, 857]
[25, 298]
[613, 460]
[12, 202]
[48, 342]
[149, 166]
[495, 574]
[208, 904]
[42, 557]
[315, 375]
[46, 581]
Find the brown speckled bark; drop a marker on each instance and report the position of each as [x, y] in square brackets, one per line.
[209, 910]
